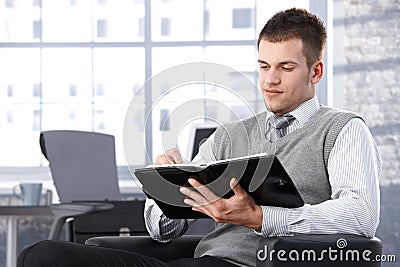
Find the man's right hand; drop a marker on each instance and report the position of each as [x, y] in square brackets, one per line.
[171, 156]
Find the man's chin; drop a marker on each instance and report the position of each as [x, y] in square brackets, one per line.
[276, 110]
[271, 107]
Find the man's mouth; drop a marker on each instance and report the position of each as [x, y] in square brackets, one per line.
[273, 92]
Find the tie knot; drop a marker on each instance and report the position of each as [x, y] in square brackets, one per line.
[280, 122]
[275, 126]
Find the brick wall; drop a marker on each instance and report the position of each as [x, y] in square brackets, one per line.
[372, 79]
[372, 88]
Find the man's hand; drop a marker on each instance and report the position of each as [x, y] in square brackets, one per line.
[171, 156]
[240, 209]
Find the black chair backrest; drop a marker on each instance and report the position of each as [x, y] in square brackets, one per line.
[82, 164]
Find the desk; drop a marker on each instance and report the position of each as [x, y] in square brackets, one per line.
[12, 213]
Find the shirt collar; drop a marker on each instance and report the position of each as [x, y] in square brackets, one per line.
[304, 111]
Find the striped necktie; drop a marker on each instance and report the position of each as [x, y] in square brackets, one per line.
[275, 124]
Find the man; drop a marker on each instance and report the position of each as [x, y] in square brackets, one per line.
[329, 153]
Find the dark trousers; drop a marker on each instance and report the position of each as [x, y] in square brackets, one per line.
[52, 253]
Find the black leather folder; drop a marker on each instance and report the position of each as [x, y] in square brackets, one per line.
[262, 176]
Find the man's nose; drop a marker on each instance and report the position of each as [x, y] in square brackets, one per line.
[272, 77]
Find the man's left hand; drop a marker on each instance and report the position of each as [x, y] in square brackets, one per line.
[240, 209]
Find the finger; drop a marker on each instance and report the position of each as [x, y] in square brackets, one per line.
[236, 188]
[202, 210]
[174, 155]
[195, 199]
[194, 182]
[190, 193]
[192, 203]
[204, 191]
[199, 208]
[171, 156]
[161, 160]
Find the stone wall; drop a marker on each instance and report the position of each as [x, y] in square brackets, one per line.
[372, 79]
[372, 88]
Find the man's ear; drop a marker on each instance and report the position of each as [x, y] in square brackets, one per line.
[317, 71]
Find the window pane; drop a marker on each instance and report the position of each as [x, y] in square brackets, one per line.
[177, 20]
[20, 125]
[67, 21]
[266, 9]
[68, 75]
[260, 105]
[230, 20]
[226, 111]
[19, 20]
[173, 111]
[67, 117]
[124, 23]
[118, 73]
[219, 93]
[20, 75]
[110, 118]
[173, 114]
[134, 147]
[227, 104]
[167, 57]
[243, 60]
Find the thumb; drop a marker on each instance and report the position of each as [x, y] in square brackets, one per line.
[236, 188]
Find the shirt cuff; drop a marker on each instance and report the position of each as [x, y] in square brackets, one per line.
[156, 212]
[152, 216]
[274, 221]
[277, 220]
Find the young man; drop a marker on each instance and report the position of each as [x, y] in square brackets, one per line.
[329, 153]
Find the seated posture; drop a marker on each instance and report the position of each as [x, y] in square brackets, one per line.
[329, 153]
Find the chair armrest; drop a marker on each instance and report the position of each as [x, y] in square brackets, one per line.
[182, 247]
[67, 210]
[319, 250]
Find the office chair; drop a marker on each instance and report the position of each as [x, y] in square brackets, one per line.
[84, 172]
[297, 251]
[312, 250]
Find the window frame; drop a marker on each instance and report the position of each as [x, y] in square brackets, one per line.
[325, 92]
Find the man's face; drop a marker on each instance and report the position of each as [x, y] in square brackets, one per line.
[284, 77]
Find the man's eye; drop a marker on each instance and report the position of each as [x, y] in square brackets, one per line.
[288, 69]
[264, 67]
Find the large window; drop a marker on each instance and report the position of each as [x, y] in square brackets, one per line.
[76, 64]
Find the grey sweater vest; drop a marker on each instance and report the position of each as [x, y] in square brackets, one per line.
[304, 154]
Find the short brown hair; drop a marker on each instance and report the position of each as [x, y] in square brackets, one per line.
[300, 24]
